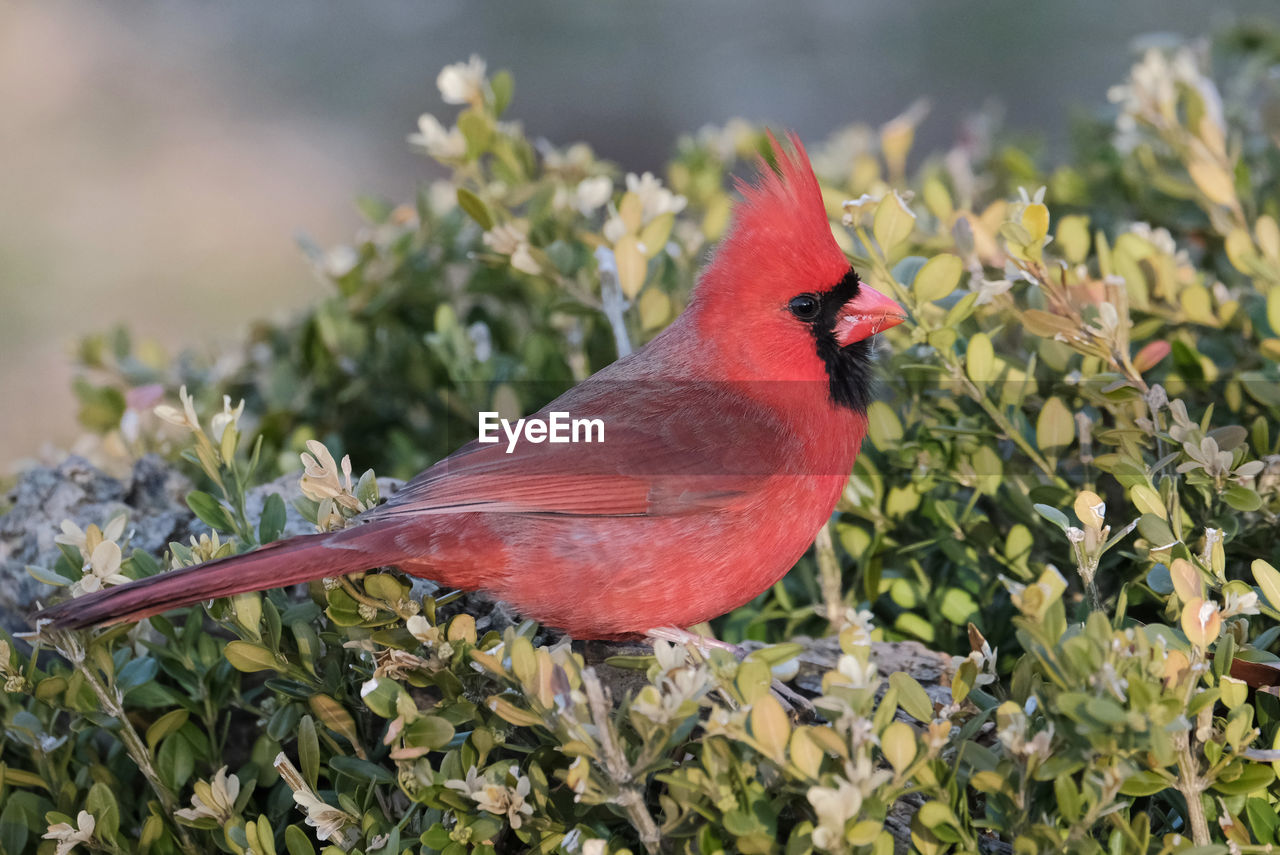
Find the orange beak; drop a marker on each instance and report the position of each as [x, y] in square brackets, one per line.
[865, 315]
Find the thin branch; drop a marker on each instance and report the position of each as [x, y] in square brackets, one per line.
[630, 794]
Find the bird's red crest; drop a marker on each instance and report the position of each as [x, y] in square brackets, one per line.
[780, 230]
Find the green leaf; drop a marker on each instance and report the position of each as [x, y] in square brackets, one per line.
[101, 802]
[361, 770]
[1144, 784]
[1255, 777]
[309, 750]
[248, 657]
[478, 131]
[209, 511]
[1054, 516]
[165, 725]
[429, 731]
[912, 698]
[297, 841]
[503, 86]
[47, 576]
[1156, 531]
[271, 524]
[1242, 498]
[136, 672]
[475, 208]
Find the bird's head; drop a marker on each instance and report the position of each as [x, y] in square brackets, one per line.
[781, 294]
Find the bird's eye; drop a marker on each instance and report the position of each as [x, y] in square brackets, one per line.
[805, 307]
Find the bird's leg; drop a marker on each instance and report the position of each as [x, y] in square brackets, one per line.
[790, 698]
[687, 638]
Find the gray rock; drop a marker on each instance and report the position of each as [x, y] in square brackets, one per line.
[152, 497]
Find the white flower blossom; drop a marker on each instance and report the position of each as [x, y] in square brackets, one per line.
[322, 479]
[988, 289]
[497, 799]
[834, 807]
[861, 675]
[511, 239]
[462, 82]
[1240, 604]
[728, 140]
[327, 820]
[855, 209]
[655, 199]
[614, 228]
[214, 799]
[227, 418]
[68, 838]
[338, 261]
[435, 140]
[184, 418]
[592, 193]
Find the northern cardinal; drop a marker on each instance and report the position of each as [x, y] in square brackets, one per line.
[727, 442]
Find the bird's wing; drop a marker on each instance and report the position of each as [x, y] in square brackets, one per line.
[666, 450]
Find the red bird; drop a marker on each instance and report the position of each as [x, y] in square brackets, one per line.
[727, 441]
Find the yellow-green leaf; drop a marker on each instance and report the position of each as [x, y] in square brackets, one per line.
[806, 755]
[475, 208]
[883, 427]
[937, 199]
[631, 265]
[769, 725]
[1090, 509]
[893, 223]
[165, 725]
[1234, 692]
[654, 307]
[653, 237]
[898, 742]
[980, 359]
[912, 698]
[938, 277]
[1148, 501]
[1073, 238]
[1268, 579]
[1187, 583]
[248, 657]
[1273, 309]
[1055, 426]
[1035, 219]
[335, 717]
[1213, 181]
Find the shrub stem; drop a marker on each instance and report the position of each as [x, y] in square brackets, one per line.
[112, 705]
[1191, 786]
[630, 795]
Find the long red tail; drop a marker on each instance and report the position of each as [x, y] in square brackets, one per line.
[286, 562]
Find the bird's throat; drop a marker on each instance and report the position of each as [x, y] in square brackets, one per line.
[849, 374]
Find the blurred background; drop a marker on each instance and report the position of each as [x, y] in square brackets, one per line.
[158, 161]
